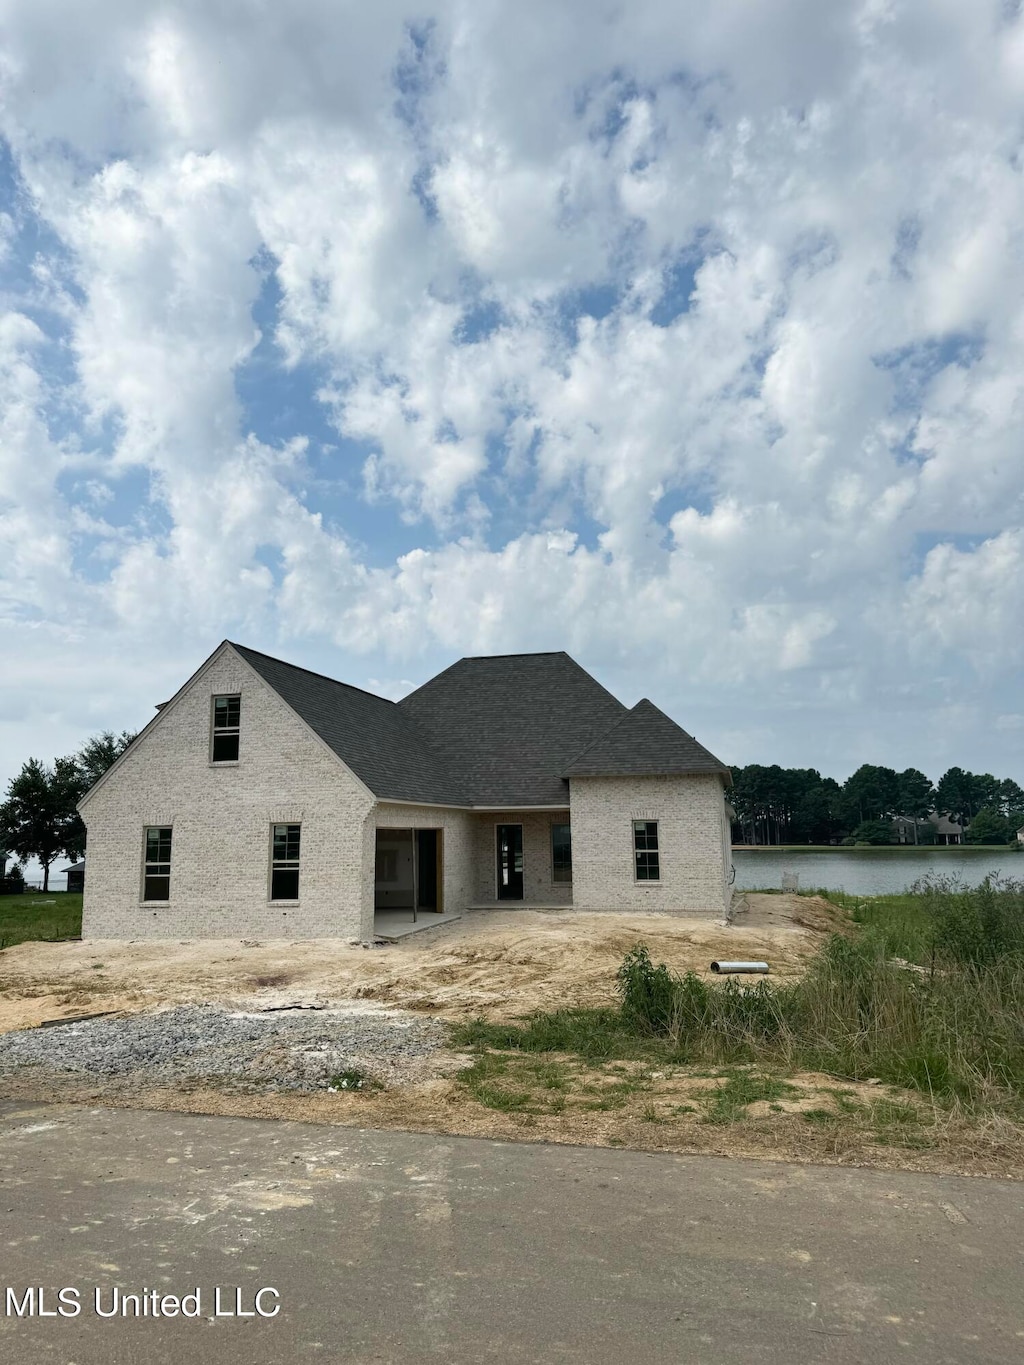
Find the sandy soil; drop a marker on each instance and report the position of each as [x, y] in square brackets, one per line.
[494, 964]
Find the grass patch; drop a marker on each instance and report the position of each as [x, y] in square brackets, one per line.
[596, 1035]
[353, 1079]
[729, 1102]
[897, 1124]
[615, 1095]
[899, 923]
[845, 1101]
[25, 919]
[822, 1116]
[486, 1082]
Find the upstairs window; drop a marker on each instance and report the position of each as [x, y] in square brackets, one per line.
[645, 850]
[284, 863]
[561, 853]
[156, 877]
[227, 713]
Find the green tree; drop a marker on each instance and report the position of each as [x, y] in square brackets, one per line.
[989, 827]
[818, 815]
[1011, 798]
[38, 819]
[954, 795]
[871, 793]
[984, 791]
[915, 795]
[873, 832]
[97, 754]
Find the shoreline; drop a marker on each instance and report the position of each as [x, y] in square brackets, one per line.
[960, 849]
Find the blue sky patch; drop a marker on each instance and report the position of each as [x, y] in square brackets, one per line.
[914, 367]
[679, 282]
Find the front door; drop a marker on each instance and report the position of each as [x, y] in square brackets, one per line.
[510, 862]
[426, 869]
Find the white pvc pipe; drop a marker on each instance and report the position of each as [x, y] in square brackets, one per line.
[737, 967]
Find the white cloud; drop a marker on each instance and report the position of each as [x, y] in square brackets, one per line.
[671, 344]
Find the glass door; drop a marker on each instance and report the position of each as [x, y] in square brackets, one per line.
[510, 862]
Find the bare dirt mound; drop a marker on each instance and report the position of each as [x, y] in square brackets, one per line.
[761, 909]
[498, 964]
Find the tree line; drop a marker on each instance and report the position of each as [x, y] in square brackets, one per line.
[797, 805]
[38, 817]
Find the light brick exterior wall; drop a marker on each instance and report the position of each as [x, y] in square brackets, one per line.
[457, 851]
[221, 818]
[538, 888]
[694, 853]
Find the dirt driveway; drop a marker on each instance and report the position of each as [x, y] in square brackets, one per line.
[494, 964]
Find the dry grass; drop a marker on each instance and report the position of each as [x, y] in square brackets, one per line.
[608, 1107]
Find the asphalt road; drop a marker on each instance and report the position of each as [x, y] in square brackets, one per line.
[392, 1247]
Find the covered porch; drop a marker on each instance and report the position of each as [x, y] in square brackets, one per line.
[408, 883]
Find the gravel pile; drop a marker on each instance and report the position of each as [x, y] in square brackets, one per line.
[301, 1050]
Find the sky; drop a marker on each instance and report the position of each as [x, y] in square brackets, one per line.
[688, 339]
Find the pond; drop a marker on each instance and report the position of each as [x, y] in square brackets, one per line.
[870, 871]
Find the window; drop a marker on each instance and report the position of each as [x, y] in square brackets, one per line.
[156, 879]
[645, 850]
[227, 713]
[561, 853]
[284, 863]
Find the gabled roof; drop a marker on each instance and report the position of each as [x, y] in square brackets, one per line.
[498, 732]
[644, 743]
[368, 733]
[510, 724]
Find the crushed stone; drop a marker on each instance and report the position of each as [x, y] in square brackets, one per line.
[300, 1050]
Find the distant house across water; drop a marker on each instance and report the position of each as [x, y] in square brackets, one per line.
[939, 828]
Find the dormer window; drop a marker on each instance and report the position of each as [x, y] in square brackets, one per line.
[227, 713]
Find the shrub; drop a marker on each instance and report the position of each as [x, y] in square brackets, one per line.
[648, 993]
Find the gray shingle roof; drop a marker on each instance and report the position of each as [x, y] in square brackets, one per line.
[644, 743]
[502, 731]
[368, 733]
[509, 725]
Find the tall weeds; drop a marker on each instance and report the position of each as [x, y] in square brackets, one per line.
[953, 1025]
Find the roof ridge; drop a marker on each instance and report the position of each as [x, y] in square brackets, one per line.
[299, 668]
[641, 717]
[655, 707]
[598, 739]
[521, 654]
